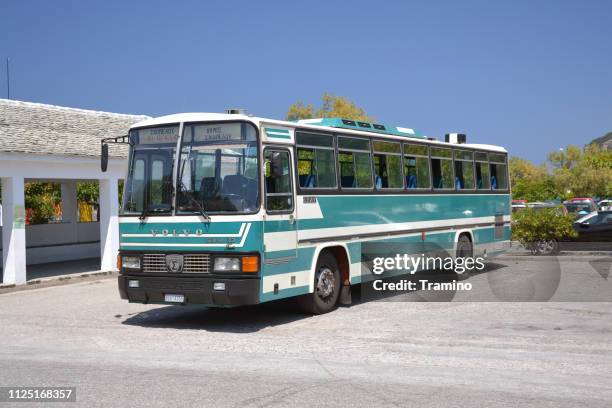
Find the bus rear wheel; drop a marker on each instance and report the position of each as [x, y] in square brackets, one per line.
[326, 286]
[465, 249]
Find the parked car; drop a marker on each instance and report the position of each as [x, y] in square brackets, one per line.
[518, 205]
[540, 205]
[594, 233]
[605, 205]
[579, 207]
[595, 227]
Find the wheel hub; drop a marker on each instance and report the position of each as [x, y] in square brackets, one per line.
[325, 283]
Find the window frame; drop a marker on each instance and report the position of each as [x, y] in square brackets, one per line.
[488, 164]
[374, 152]
[455, 160]
[387, 191]
[338, 150]
[278, 148]
[428, 157]
[451, 159]
[258, 155]
[296, 159]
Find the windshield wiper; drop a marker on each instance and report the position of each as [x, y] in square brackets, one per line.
[147, 210]
[198, 205]
[183, 189]
[144, 213]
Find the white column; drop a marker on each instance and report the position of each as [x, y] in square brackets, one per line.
[109, 224]
[13, 231]
[69, 201]
[69, 208]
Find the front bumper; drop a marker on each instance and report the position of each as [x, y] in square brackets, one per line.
[197, 290]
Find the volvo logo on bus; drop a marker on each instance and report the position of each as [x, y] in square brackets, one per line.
[174, 263]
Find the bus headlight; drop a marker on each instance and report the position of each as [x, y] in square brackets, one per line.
[223, 264]
[130, 262]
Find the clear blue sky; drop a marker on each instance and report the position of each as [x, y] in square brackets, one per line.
[532, 76]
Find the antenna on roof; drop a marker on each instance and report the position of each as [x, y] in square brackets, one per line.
[8, 80]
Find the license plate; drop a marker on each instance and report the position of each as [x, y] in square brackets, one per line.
[174, 298]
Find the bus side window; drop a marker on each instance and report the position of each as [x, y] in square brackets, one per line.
[464, 170]
[483, 179]
[387, 165]
[498, 169]
[442, 168]
[279, 194]
[355, 163]
[416, 166]
[316, 165]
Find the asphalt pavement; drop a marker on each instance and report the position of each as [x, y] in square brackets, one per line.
[426, 353]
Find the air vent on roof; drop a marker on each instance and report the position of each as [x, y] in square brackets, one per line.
[457, 138]
[235, 111]
[349, 122]
[379, 127]
[364, 125]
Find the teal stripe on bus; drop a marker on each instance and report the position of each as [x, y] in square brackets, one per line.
[302, 262]
[278, 133]
[350, 211]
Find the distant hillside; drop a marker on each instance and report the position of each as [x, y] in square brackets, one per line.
[605, 142]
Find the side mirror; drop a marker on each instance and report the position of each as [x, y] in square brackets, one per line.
[104, 157]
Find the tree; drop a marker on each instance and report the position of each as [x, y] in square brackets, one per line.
[41, 200]
[300, 111]
[548, 225]
[88, 192]
[332, 107]
[582, 172]
[531, 182]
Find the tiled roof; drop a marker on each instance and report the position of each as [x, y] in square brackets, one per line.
[36, 128]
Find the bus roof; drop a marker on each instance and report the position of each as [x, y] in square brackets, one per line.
[357, 128]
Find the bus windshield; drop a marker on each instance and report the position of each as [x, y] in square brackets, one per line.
[148, 187]
[218, 169]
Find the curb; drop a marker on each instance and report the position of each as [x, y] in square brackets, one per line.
[56, 281]
[565, 256]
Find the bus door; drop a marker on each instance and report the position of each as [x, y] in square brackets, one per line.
[280, 226]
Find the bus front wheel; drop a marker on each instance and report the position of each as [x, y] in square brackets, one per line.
[326, 286]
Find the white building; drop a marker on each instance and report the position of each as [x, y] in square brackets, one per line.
[51, 143]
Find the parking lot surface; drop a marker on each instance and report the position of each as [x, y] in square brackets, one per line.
[373, 353]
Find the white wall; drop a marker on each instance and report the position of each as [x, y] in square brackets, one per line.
[67, 241]
[61, 242]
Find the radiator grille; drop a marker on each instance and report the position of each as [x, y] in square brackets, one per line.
[192, 263]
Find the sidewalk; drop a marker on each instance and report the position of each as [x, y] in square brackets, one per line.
[59, 273]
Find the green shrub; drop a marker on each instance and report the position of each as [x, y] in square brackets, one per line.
[41, 199]
[531, 226]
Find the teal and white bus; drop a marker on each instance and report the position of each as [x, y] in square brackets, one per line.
[229, 209]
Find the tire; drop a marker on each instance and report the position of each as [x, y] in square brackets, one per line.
[547, 247]
[465, 249]
[326, 287]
